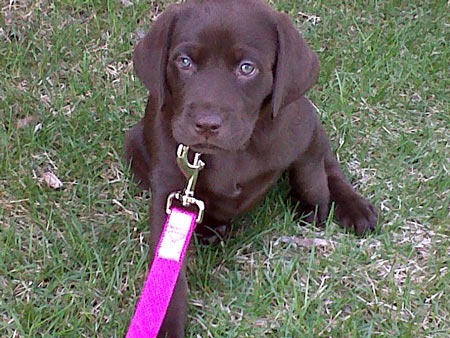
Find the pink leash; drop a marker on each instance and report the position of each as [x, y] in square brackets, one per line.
[180, 223]
[163, 275]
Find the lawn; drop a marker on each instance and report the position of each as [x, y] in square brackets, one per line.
[73, 260]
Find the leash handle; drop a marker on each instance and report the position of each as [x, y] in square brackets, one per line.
[162, 277]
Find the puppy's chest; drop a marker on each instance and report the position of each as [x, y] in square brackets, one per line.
[233, 187]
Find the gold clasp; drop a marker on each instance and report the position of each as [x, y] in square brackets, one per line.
[190, 171]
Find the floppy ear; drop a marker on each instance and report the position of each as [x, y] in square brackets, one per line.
[150, 56]
[297, 66]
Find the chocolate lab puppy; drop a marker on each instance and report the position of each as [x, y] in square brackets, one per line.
[228, 79]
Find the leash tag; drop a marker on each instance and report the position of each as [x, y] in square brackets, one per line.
[174, 236]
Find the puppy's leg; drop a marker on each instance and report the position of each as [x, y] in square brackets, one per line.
[352, 210]
[309, 187]
[136, 153]
[317, 179]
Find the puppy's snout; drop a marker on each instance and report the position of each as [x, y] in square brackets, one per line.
[208, 125]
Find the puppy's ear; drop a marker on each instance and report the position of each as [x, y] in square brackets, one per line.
[297, 66]
[151, 53]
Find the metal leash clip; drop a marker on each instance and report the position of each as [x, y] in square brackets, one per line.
[190, 171]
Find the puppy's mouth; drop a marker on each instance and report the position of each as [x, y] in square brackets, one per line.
[205, 148]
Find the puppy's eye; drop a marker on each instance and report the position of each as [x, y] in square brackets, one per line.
[184, 62]
[247, 69]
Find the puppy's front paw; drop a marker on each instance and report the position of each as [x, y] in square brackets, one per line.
[357, 213]
[312, 214]
[212, 234]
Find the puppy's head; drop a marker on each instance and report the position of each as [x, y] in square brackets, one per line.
[214, 65]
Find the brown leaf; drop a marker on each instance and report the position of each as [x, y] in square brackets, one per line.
[51, 180]
[306, 242]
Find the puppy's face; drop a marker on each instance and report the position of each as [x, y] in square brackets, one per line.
[211, 66]
[219, 74]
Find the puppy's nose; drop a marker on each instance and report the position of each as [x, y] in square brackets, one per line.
[208, 125]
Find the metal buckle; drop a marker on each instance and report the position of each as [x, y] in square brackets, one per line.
[190, 171]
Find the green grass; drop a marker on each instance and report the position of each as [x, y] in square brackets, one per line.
[72, 261]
